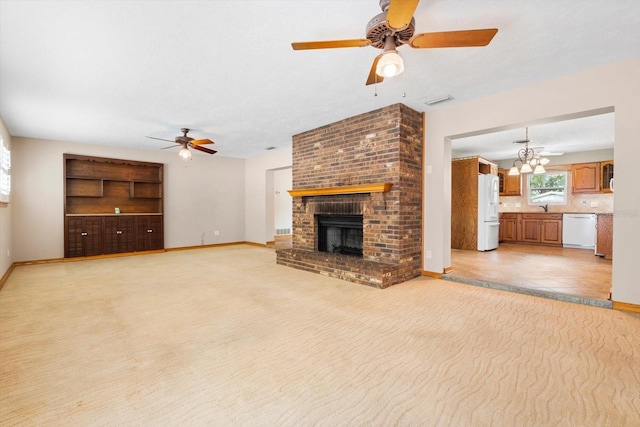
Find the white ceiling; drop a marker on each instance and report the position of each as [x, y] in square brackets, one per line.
[112, 72]
[594, 132]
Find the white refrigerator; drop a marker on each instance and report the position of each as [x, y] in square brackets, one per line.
[488, 224]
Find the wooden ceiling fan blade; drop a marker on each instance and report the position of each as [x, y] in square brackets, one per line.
[160, 139]
[330, 44]
[465, 38]
[373, 77]
[400, 13]
[202, 141]
[203, 149]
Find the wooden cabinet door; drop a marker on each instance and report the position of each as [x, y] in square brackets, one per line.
[502, 173]
[530, 230]
[509, 229]
[551, 231]
[606, 175]
[149, 235]
[84, 236]
[118, 234]
[604, 236]
[512, 185]
[585, 178]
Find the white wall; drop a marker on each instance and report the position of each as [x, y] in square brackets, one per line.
[614, 85]
[6, 254]
[282, 200]
[201, 196]
[259, 225]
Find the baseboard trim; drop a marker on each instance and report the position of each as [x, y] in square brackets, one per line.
[212, 245]
[432, 274]
[6, 274]
[448, 270]
[625, 306]
[260, 245]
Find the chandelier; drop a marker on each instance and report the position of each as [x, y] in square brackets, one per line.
[528, 161]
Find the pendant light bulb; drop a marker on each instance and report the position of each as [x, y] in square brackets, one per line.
[185, 153]
[390, 63]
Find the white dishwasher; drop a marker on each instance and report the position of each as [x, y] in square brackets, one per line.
[579, 231]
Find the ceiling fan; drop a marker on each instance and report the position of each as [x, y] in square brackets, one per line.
[186, 142]
[395, 27]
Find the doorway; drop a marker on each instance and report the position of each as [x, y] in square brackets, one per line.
[540, 270]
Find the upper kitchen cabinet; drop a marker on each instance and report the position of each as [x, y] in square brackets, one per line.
[585, 177]
[510, 185]
[606, 175]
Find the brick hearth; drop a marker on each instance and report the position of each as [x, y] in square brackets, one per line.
[368, 165]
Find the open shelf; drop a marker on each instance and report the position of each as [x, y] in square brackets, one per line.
[84, 187]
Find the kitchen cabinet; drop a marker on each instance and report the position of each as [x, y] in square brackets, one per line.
[510, 185]
[96, 190]
[509, 227]
[604, 236]
[149, 232]
[534, 228]
[464, 200]
[541, 228]
[118, 234]
[83, 236]
[585, 178]
[606, 175]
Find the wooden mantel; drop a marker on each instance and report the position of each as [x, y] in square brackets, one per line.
[382, 187]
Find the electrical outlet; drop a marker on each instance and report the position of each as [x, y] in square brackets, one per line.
[518, 205]
[505, 204]
[216, 233]
[594, 204]
[428, 254]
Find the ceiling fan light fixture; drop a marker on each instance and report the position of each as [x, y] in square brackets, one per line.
[514, 170]
[390, 64]
[185, 153]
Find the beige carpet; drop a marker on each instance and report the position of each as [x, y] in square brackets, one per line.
[224, 336]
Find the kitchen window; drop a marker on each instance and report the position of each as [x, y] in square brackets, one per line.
[5, 176]
[547, 188]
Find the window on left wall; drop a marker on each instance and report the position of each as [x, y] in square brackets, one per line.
[5, 172]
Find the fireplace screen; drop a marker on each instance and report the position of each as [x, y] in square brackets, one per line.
[341, 234]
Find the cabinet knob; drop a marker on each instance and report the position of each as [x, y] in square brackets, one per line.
[84, 234]
[119, 232]
[149, 231]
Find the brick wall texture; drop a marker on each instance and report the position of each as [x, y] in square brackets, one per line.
[382, 146]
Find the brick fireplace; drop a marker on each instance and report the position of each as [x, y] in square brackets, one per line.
[365, 168]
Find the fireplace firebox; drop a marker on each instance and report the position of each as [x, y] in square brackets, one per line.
[340, 234]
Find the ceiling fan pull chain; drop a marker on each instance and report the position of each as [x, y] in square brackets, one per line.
[404, 87]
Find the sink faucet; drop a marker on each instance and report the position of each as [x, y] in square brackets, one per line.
[545, 207]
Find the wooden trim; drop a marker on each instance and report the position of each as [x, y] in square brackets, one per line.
[432, 274]
[260, 245]
[6, 275]
[382, 187]
[448, 270]
[212, 245]
[422, 181]
[120, 214]
[39, 261]
[625, 306]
